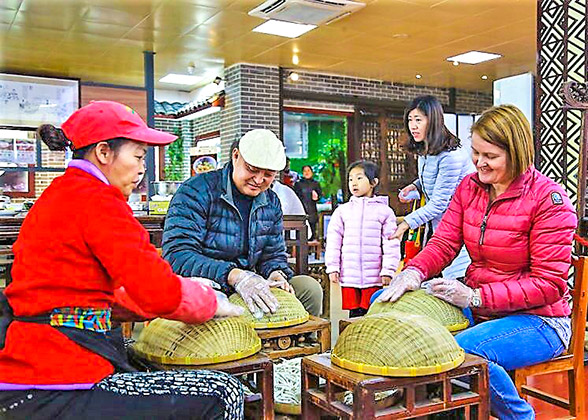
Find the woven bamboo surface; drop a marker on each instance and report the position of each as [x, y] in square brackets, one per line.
[291, 312]
[216, 341]
[420, 302]
[397, 344]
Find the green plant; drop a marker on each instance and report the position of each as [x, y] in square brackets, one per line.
[331, 168]
[175, 151]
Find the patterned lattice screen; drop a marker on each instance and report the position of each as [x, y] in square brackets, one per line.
[562, 57]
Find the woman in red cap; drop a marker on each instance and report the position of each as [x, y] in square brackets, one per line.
[79, 243]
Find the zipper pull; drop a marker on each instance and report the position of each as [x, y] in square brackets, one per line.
[483, 229]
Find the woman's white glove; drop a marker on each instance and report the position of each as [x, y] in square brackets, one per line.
[224, 308]
[451, 290]
[255, 291]
[407, 280]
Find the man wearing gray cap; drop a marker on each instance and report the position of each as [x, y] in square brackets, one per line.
[226, 225]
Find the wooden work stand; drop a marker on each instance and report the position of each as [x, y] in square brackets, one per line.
[289, 342]
[326, 399]
[256, 372]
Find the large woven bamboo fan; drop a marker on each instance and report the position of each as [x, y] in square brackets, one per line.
[215, 341]
[420, 302]
[397, 344]
[290, 312]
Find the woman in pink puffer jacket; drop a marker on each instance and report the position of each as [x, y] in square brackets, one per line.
[359, 254]
[517, 226]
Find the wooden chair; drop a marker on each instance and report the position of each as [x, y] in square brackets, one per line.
[572, 360]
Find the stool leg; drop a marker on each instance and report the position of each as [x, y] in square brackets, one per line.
[364, 404]
[266, 386]
[309, 410]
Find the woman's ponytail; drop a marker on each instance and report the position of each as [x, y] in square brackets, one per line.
[53, 137]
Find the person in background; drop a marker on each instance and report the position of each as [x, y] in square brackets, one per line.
[309, 192]
[287, 176]
[518, 226]
[227, 225]
[78, 247]
[291, 204]
[442, 164]
[360, 253]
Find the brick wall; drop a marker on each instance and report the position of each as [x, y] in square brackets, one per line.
[207, 124]
[252, 100]
[465, 101]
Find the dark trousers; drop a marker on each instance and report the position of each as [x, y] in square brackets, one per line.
[148, 395]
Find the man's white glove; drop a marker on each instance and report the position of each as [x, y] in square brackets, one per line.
[255, 291]
[408, 279]
[278, 279]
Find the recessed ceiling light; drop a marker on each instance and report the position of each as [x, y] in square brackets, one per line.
[281, 28]
[474, 57]
[294, 76]
[295, 59]
[484, 77]
[418, 76]
[456, 63]
[400, 36]
[180, 79]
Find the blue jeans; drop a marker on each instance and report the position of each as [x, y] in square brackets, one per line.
[510, 343]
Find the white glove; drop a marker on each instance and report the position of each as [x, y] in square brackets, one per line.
[278, 279]
[451, 290]
[408, 279]
[255, 291]
[224, 308]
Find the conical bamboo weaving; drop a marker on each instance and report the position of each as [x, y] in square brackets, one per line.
[420, 302]
[215, 341]
[397, 344]
[290, 312]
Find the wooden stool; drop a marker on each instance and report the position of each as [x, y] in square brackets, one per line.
[259, 366]
[291, 342]
[317, 400]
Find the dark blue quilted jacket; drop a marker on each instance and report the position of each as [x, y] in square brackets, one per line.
[203, 237]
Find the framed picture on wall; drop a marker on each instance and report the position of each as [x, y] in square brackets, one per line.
[29, 101]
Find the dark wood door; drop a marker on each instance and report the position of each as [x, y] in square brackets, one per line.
[380, 138]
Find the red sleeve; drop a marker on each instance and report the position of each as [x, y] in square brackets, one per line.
[122, 246]
[447, 240]
[550, 246]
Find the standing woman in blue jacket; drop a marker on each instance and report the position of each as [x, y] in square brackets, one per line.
[442, 164]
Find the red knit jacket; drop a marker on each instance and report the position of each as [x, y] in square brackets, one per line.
[78, 243]
[520, 244]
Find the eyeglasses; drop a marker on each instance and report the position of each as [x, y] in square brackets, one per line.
[255, 171]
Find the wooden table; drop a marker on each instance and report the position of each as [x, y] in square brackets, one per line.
[289, 342]
[325, 399]
[259, 366]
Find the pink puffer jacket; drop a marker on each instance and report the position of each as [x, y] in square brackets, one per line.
[520, 244]
[358, 247]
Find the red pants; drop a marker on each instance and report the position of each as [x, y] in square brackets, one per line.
[354, 298]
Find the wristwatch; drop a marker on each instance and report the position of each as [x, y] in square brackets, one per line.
[476, 300]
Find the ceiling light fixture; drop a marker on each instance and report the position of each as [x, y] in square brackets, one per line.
[456, 63]
[484, 77]
[294, 76]
[418, 76]
[180, 79]
[474, 57]
[295, 59]
[285, 29]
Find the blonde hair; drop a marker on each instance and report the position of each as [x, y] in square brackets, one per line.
[507, 127]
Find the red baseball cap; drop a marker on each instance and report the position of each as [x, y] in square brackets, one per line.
[105, 120]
